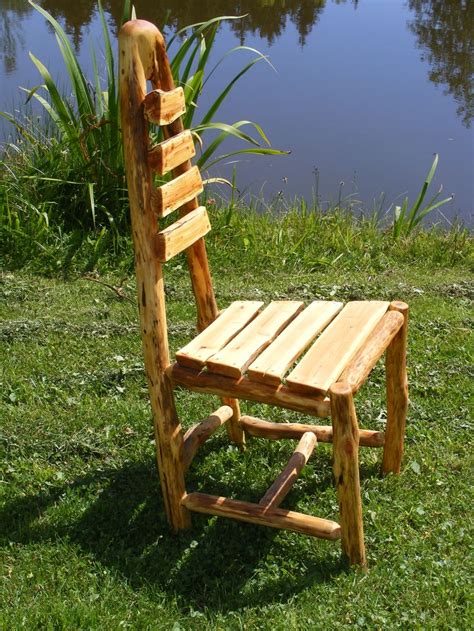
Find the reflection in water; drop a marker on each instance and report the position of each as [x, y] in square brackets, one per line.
[267, 18]
[444, 29]
[11, 34]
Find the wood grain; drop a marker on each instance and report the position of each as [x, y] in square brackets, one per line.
[181, 234]
[177, 192]
[271, 365]
[335, 347]
[397, 394]
[137, 40]
[235, 357]
[365, 359]
[170, 153]
[346, 472]
[324, 433]
[162, 108]
[256, 514]
[196, 254]
[231, 321]
[282, 485]
[244, 388]
[199, 433]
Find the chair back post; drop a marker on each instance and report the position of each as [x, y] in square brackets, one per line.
[198, 265]
[139, 46]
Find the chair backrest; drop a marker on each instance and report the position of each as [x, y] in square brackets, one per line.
[143, 59]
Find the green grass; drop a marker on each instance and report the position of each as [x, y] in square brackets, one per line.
[84, 539]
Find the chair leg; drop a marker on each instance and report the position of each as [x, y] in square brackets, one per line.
[169, 453]
[234, 428]
[397, 395]
[346, 472]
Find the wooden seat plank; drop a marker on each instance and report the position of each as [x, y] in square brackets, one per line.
[335, 347]
[271, 365]
[162, 107]
[174, 194]
[358, 369]
[181, 234]
[234, 359]
[216, 335]
[172, 152]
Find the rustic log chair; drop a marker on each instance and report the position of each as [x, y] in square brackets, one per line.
[246, 351]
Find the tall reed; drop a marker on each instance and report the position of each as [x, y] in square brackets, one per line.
[406, 220]
[69, 169]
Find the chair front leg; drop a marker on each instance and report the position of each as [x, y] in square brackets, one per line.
[397, 395]
[346, 472]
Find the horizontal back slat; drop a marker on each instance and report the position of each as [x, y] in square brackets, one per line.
[174, 194]
[181, 234]
[163, 108]
[172, 152]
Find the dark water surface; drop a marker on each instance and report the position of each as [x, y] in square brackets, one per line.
[365, 91]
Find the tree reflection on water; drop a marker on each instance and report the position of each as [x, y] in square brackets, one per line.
[266, 18]
[443, 29]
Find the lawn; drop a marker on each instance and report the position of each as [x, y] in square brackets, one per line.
[84, 539]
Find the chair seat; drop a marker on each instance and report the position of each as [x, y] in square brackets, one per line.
[304, 348]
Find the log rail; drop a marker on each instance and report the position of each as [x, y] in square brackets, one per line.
[257, 514]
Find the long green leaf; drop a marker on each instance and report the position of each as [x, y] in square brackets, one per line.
[421, 196]
[428, 209]
[257, 151]
[84, 101]
[218, 102]
[199, 27]
[64, 113]
[19, 127]
[227, 130]
[235, 50]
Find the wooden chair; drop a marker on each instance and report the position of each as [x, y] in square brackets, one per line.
[247, 351]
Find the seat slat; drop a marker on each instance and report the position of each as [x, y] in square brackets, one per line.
[234, 359]
[181, 234]
[216, 335]
[162, 107]
[358, 369]
[174, 194]
[332, 351]
[271, 365]
[171, 153]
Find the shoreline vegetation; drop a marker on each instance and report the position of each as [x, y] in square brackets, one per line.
[63, 199]
[297, 239]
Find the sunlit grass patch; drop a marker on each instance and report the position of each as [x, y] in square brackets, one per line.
[85, 541]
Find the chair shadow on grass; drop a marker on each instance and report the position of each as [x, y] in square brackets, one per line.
[217, 564]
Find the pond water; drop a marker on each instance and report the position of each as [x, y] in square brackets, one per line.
[363, 94]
